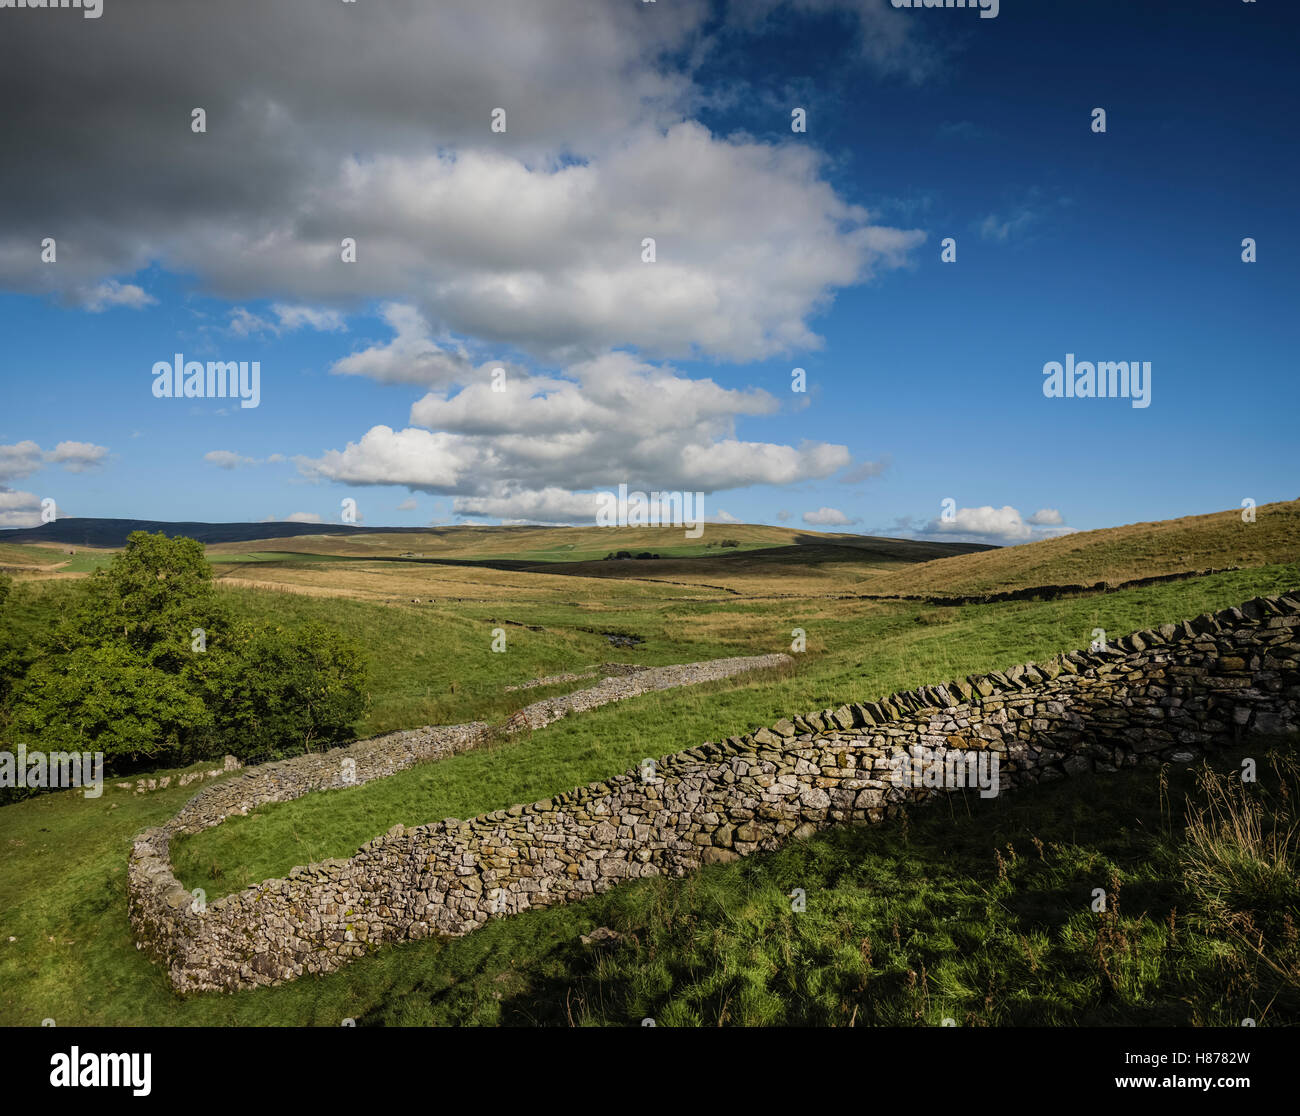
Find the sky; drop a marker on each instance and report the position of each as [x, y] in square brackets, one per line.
[502, 348]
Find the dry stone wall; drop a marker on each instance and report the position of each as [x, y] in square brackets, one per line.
[1155, 696]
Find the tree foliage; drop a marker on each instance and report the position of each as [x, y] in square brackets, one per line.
[287, 691]
[148, 666]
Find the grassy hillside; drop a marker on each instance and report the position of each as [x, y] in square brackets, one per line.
[544, 545]
[854, 654]
[1197, 542]
[477, 543]
[971, 910]
[33, 560]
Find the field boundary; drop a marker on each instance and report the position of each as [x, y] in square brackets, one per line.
[1038, 592]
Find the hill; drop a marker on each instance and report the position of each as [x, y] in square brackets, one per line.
[1219, 540]
[526, 544]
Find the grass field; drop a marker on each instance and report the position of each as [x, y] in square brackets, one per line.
[975, 911]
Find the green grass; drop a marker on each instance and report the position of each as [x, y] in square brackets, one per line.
[280, 557]
[434, 664]
[986, 945]
[912, 646]
[84, 561]
[975, 911]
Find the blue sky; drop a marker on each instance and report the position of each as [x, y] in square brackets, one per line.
[774, 250]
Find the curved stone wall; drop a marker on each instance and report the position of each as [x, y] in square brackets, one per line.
[1157, 695]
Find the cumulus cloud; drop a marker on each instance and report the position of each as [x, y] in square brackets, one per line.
[244, 323]
[21, 459]
[531, 237]
[77, 457]
[549, 505]
[533, 450]
[827, 517]
[1001, 523]
[421, 459]
[303, 517]
[724, 516]
[996, 525]
[19, 509]
[111, 293]
[411, 357]
[528, 241]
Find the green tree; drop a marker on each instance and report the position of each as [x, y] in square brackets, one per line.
[283, 692]
[147, 665]
[12, 660]
[106, 699]
[150, 599]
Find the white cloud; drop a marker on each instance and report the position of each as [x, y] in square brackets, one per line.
[415, 458]
[1020, 218]
[111, 293]
[532, 450]
[530, 236]
[1002, 228]
[827, 517]
[24, 458]
[20, 460]
[547, 256]
[244, 323]
[77, 457]
[550, 505]
[303, 517]
[1002, 525]
[19, 509]
[295, 317]
[409, 504]
[411, 357]
[725, 517]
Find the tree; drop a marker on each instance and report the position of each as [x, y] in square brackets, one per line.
[150, 599]
[105, 699]
[124, 672]
[12, 659]
[282, 692]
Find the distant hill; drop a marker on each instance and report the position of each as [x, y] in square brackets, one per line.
[114, 532]
[557, 543]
